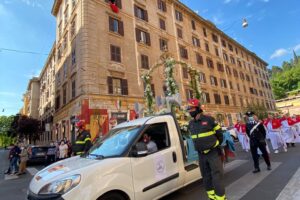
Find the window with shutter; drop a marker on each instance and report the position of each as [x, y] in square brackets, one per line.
[124, 86]
[193, 25]
[110, 85]
[228, 70]
[162, 24]
[183, 52]
[215, 38]
[220, 67]
[162, 5]
[207, 47]
[223, 43]
[217, 98]
[185, 72]
[115, 53]
[217, 51]
[210, 63]
[199, 59]
[140, 13]
[204, 32]
[179, 33]
[145, 62]
[226, 99]
[196, 42]
[206, 97]
[202, 77]
[163, 43]
[178, 16]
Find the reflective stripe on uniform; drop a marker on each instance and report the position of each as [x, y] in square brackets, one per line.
[220, 197]
[79, 153]
[79, 142]
[211, 194]
[201, 135]
[86, 139]
[208, 150]
[217, 127]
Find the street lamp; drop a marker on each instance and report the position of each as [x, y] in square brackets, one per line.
[245, 23]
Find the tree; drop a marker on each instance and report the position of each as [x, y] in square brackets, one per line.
[285, 79]
[28, 128]
[5, 124]
[260, 110]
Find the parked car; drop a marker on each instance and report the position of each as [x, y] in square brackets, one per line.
[37, 154]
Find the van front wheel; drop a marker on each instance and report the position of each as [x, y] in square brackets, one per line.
[112, 196]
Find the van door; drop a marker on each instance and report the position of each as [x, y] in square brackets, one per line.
[156, 173]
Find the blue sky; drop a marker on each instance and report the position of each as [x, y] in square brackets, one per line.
[28, 25]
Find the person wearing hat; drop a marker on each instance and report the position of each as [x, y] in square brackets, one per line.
[257, 134]
[83, 140]
[207, 137]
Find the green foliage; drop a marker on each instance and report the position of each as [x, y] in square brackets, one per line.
[285, 79]
[260, 110]
[5, 128]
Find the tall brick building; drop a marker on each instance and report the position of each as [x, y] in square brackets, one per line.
[101, 54]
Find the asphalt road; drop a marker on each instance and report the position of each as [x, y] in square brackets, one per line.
[281, 183]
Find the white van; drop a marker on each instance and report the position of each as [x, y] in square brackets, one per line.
[120, 167]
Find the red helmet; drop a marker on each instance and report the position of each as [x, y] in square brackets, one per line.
[80, 124]
[194, 103]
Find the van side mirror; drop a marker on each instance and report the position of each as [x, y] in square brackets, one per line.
[139, 150]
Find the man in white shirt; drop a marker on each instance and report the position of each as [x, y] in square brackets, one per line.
[151, 146]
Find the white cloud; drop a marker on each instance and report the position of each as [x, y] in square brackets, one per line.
[297, 47]
[33, 3]
[278, 53]
[281, 52]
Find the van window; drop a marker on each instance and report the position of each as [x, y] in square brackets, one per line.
[159, 134]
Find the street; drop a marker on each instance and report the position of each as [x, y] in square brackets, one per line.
[281, 183]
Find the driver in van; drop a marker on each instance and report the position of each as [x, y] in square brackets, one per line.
[151, 145]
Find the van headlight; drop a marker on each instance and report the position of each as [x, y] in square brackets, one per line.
[61, 186]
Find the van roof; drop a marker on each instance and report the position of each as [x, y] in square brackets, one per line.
[135, 122]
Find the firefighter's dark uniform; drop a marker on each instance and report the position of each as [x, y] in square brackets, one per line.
[83, 143]
[207, 136]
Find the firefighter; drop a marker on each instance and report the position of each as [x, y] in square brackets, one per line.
[207, 136]
[83, 140]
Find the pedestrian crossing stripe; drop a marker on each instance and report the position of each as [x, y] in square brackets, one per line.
[244, 184]
[33, 171]
[291, 191]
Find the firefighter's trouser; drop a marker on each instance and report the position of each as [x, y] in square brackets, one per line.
[211, 168]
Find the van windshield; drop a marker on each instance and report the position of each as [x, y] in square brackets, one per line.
[114, 143]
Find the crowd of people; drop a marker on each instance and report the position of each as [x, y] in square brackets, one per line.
[20, 153]
[282, 131]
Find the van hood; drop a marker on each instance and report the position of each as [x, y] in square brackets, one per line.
[59, 170]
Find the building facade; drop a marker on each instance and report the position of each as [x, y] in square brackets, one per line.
[31, 98]
[101, 55]
[47, 100]
[290, 105]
